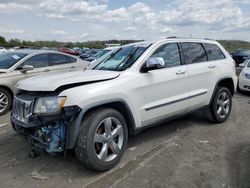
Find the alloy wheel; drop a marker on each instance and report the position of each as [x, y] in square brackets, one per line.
[3, 102]
[223, 104]
[108, 139]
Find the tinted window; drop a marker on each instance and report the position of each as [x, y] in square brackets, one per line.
[72, 60]
[213, 52]
[193, 52]
[7, 60]
[59, 59]
[38, 61]
[170, 54]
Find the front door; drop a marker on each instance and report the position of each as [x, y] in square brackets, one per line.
[163, 92]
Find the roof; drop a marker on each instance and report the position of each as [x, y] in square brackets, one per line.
[147, 43]
[29, 51]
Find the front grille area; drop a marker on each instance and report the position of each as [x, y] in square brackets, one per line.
[22, 109]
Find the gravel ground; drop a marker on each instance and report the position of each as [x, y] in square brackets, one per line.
[188, 152]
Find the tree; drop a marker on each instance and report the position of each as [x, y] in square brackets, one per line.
[2, 40]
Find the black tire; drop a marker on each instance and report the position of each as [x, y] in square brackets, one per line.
[212, 111]
[9, 101]
[85, 148]
[238, 88]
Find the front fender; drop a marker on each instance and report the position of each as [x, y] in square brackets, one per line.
[74, 127]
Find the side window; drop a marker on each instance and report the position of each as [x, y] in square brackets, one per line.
[213, 52]
[59, 59]
[170, 53]
[193, 52]
[72, 60]
[38, 61]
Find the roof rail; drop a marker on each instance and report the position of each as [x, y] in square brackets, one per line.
[172, 37]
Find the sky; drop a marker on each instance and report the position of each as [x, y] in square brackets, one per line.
[84, 20]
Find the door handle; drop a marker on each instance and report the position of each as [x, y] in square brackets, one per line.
[181, 72]
[211, 66]
[46, 70]
[73, 67]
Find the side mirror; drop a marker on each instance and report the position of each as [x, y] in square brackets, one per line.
[26, 68]
[154, 63]
[242, 65]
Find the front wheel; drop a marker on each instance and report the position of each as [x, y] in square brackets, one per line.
[102, 139]
[5, 101]
[221, 105]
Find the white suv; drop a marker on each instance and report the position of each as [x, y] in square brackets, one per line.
[137, 86]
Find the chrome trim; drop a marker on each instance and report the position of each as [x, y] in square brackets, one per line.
[22, 109]
[175, 101]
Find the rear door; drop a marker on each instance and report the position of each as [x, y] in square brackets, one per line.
[63, 63]
[203, 74]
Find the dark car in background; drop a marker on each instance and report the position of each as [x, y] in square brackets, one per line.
[99, 54]
[240, 55]
[89, 53]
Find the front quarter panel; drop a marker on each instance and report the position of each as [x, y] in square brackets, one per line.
[96, 94]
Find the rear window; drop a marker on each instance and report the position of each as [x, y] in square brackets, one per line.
[213, 52]
[193, 53]
[60, 59]
[7, 60]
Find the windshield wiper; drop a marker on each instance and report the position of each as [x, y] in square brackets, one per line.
[125, 61]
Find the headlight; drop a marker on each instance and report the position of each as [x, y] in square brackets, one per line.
[49, 105]
[247, 76]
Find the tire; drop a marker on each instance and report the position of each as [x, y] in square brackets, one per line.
[238, 88]
[5, 101]
[221, 106]
[97, 147]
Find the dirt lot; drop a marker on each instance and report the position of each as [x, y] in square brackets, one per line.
[188, 152]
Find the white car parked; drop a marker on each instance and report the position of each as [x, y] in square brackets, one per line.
[137, 86]
[244, 78]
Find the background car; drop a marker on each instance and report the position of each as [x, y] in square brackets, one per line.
[88, 54]
[21, 64]
[99, 54]
[2, 50]
[240, 55]
[244, 78]
[68, 51]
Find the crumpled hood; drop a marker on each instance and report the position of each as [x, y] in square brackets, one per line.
[52, 82]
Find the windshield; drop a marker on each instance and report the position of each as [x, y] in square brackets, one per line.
[248, 65]
[7, 60]
[122, 59]
[101, 53]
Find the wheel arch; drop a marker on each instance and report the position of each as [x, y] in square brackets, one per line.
[224, 82]
[8, 89]
[120, 105]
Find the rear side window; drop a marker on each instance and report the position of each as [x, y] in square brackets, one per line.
[193, 53]
[213, 52]
[38, 61]
[59, 59]
[170, 53]
[72, 60]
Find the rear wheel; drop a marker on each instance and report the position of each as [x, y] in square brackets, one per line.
[221, 106]
[5, 101]
[102, 139]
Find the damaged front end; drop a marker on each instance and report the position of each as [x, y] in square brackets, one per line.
[44, 122]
